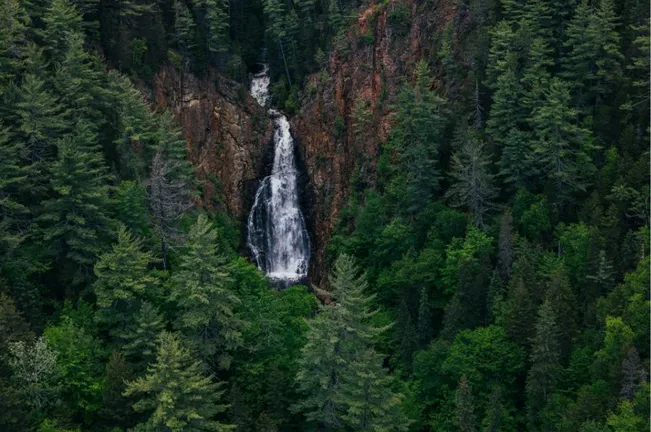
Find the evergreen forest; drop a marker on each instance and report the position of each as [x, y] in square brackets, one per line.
[489, 273]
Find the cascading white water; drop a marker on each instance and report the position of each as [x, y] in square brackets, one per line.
[276, 228]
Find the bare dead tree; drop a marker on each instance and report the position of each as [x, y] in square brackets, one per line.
[169, 198]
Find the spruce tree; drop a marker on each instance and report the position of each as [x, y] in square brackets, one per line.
[205, 301]
[562, 146]
[465, 409]
[424, 318]
[472, 186]
[340, 375]
[416, 139]
[123, 281]
[506, 111]
[184, 28]
[13, 184]
[519, 312]
[518, 160]
[13, 26]
[140, 335]
[116, 409]
[80, 196]
[563, 303]
[175, 394]
[544, 373]
[62, 20]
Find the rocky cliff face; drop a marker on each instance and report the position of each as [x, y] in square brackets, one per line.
[364, 70]
[226, 131]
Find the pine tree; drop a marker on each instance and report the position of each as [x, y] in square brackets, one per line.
[79, 181]
[140, 336]
[204, 297]
[563, 304]
[123, 281]
[561, 146]
[505, 250]
[416, 138]
[518, 160]
[62, 20]
[543, 376]
[519, 313]
[184, 30]
[424, 318]
[78, 85]
[13, 184]
[406, 338]
[116, 409]
[38, 122]
[175, 394]
[506, 111]
[216, 22]
[340, 375]
[502, 56]
[536, 75]
[13, 26]
[472, 186]
[465, 409]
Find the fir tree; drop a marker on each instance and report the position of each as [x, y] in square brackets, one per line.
[140, 336]
[472, 186]
[339, 372]
[416, 138]
[406, 337]
[123, 281]
[543, 376]
[519, 313]
[518, 161]
[62, 20]
[13, 26]
[184, 30]
[204, 297]
[79, 181]
[424, 318]
[505, 250]
[506, 109]
[116, 409]
[561, 146]
[465, 409]
[13, 185]
[175, 394]
[563, 304]
[216, 21]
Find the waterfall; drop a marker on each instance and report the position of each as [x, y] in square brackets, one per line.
[277, 236]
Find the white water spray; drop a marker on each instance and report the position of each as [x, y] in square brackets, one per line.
[276, 228]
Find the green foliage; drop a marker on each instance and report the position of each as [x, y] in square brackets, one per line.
[193, 408]
[204, 299]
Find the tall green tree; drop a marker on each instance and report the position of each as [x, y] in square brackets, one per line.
[544, 374]
[465, 415]
[175, 394]
[473, 186]
[79, 182]
[123, 281]
[140, 336]
[202, 291]
[340, 374]
[562, 147]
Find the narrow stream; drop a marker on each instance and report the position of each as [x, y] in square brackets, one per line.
[277, 235]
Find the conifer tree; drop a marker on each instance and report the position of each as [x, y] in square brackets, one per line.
[502, 56]
[116, 409]
[13, 184]
[505, 249]
[506, 110]
[518, 160]
[561, 146]
[416, 138]
[79, 181]
[62, 20]
[140, 335]
[175, 394]
[204, 297]
[340, 374]
[472, 186]
[465, 410]
[217, 25]
[536, 75]
[13, 26]
[424, 318]
[184, 30]
[563, 304]
[545, 367]
[519, 313]
[123, 281]
[406, 337]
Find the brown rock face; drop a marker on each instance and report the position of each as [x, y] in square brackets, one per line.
[367, 68]
[226, 132]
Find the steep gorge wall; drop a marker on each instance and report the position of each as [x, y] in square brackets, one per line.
[226, 133]
[369, 69]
